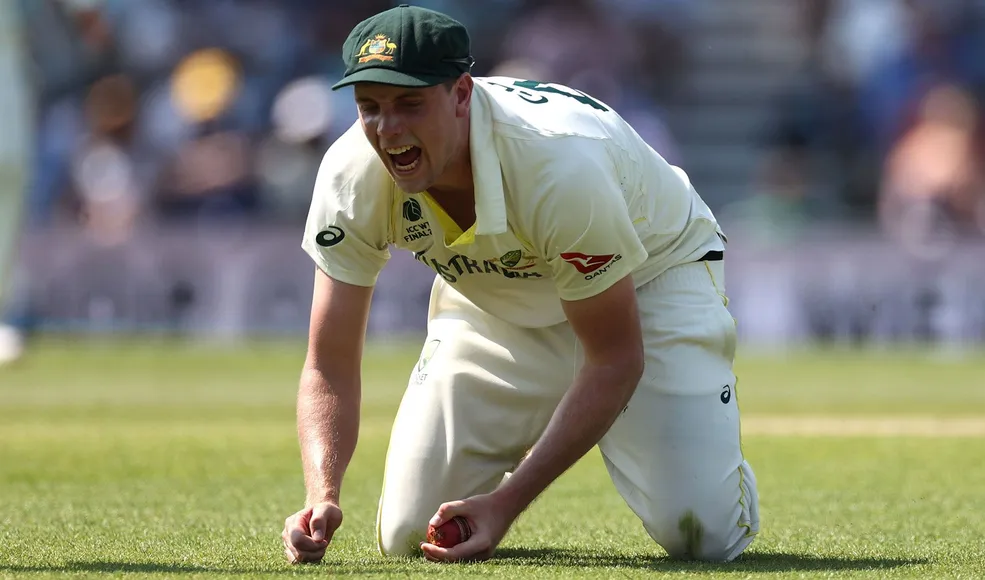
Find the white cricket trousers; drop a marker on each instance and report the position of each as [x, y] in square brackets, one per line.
[484, 390]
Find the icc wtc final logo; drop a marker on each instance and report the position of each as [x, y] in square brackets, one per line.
[377, 48]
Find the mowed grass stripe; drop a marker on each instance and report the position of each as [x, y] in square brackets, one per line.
[863, 426]
[31, 432]
[171, 378]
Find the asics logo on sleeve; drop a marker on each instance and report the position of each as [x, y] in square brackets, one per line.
[330, 237]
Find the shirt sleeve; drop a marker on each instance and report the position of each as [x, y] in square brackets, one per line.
[347, 231]
[582, 225]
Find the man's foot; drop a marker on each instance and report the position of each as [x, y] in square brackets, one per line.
[11, 344]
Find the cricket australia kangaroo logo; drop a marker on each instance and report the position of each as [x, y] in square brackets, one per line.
[422, 363]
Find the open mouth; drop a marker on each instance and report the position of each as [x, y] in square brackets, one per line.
[405, 159]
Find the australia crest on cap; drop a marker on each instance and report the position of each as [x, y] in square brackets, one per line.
[380, 47]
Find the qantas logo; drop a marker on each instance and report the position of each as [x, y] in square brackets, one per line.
[591, 266]
[584, 263]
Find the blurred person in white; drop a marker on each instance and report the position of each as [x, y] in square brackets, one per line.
[15, 142]
[288, 159]
[933, 186]
[103, 168]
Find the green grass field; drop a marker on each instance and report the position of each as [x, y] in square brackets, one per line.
[159, 460]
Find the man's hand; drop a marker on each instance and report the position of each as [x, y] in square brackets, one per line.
[489, 516]
[308, 532]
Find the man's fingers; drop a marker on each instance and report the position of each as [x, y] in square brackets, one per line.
[311, 557]
[447, 511]
[295, 556]
[300, 519]
[325, 519]
[307, 533]
[285, 536]
[477, 547]
[300, 548]
[317, 526]
[305, 543]
[471, 549]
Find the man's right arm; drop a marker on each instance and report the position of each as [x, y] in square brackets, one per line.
[347, 235]
[330, 390]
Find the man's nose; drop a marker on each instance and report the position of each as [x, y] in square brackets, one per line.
[390, 126]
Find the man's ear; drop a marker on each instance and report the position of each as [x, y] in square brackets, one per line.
[463, 95]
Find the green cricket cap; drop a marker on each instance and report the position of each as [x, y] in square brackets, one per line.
[407, 46]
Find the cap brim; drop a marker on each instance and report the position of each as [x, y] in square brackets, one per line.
[387, 76]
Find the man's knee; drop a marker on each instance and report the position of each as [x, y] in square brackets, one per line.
[399, 533]
[689, 538]
[717, 531]
[400, 539]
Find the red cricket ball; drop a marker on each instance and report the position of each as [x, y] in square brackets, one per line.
[454, 531]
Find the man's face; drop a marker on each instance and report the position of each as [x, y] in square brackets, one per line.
[415, 131]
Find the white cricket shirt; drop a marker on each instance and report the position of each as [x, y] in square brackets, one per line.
[569, 199]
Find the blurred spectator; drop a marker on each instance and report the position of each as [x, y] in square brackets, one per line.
[934, 182]
[107, 189]
[288, 159]
[856, 36]
[209, 179]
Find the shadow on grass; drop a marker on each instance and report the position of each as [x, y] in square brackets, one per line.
[180, 569]
[517, 557]
[751, 562]
[111, 567]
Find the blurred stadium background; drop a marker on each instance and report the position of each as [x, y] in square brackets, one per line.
[167, 150]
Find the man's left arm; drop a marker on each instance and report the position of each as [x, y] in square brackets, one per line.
[587, 235]
[608, 326]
